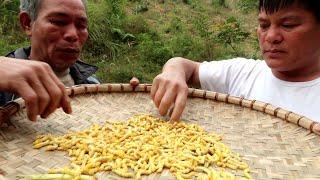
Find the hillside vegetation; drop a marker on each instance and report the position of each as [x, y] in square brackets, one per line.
[136, 37]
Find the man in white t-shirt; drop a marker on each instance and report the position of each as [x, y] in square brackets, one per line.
[289, 77]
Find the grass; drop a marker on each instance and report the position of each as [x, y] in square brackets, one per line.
[136, 37]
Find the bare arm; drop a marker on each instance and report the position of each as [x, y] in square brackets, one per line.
[36, 83]
[170, 87]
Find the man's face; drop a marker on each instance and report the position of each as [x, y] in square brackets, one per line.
[289, 39]
[58, 33]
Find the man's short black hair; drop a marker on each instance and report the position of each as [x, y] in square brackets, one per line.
[271, 6]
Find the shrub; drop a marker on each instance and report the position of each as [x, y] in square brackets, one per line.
[9, 11]
[187, 1]
[153, 50]
[141, 7]
[230, 33]
[219, 3]
[247, 5]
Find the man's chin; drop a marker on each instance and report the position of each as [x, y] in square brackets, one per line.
[62, 66]
[276, 64]
[278, 67]
[69, 57]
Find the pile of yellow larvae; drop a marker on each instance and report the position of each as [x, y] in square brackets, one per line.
[144, 145]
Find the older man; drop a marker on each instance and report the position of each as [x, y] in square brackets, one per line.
[57, 30]
[289, 76]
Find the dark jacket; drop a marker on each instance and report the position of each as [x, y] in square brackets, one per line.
[80, 72]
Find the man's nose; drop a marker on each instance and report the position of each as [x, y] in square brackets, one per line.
[71, 34]
[274, 35]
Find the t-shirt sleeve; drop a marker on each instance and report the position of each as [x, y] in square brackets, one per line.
[225, 75]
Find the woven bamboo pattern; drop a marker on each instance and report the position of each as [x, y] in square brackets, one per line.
[277, 144]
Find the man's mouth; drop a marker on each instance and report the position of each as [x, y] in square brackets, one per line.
[68, 49]
[71, 50]
[274, 51]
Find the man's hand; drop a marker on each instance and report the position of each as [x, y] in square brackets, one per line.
[170, 89]
[36, 83]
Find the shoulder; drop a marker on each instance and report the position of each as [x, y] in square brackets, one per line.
[85, 68]
[93, 80]
[83, 73]
[235, 64]
[234, 61]
[21, 53]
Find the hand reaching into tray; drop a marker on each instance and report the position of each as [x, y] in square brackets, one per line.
[170, 89]
[36, 83]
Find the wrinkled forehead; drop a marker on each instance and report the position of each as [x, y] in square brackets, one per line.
[66, 6]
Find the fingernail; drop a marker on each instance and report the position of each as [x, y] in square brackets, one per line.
[170, 112]
[34, 119]
[43, 116]
[68, 110]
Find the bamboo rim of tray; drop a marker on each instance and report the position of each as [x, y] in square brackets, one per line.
[13, 107]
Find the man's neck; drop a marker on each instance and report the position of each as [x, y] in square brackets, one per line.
[305, 74]
[62, 73]
[65, 77]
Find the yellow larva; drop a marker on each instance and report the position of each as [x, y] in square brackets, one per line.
[144, 145]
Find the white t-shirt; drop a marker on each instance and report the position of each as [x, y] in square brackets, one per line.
[254, 80]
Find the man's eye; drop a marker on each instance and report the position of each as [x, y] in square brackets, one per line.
[263, 26]
[58, 22]
[82, 25]
[289, 26]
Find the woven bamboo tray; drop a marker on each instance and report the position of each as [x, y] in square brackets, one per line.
[277, 144]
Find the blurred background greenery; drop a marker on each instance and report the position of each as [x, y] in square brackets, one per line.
[136, 37]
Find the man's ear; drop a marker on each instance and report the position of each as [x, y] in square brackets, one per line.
[257, 32]
[25, 22]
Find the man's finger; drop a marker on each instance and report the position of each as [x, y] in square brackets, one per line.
[55, 93]
[154, 88]
[159, 95]
[64, 102]
[42, 94]
[179, 106]
[30, 98]
[167, 100]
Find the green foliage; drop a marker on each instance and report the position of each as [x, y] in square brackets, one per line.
[219, 3]
[141, 7]
[117, 12]
[248, 5]
[9, 16]
[174, 26]
[11, 35]
[187, 1]
[230, 33]
[153, 50]
[187, 46]
[137, 24]
[100, 30]
[106, 22]
[202, 25]
[121, 35]
[136, 37]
